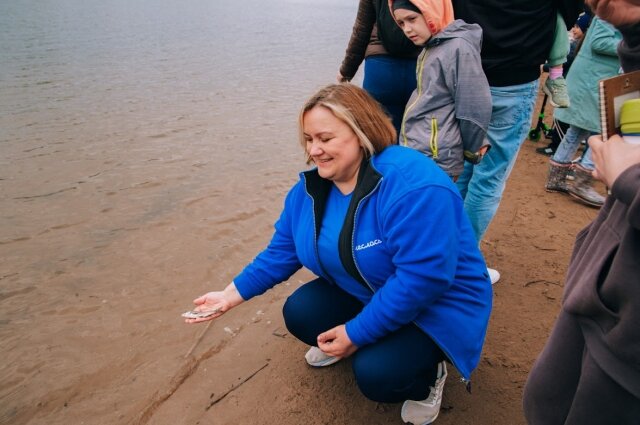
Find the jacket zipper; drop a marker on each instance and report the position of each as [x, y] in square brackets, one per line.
[326, 276]
[467, 382]
[419, 69]
[433, 139]
[353, 233]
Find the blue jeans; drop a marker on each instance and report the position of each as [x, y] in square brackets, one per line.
[401, 366]
[390, 81]
[482, 185]
[569, 146]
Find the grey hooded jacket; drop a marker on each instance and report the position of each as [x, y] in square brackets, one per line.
[448, 114]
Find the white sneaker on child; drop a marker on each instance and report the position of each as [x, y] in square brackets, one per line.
[316, 358]
[494, 275]
[426, 411]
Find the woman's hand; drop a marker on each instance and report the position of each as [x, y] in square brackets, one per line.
[222, 301]
[335, 342]
[612, 157]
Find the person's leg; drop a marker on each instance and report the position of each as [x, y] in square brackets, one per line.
[482, 185]
[316, 307]
[567, 387]
[553, 380]
[586, 160]
[557, 134]
[601, 400]
[400, 366]
[560, 162]
[390, 81]
[570, 143]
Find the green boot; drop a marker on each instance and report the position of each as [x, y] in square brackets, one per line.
[557, 179]
[582, 188]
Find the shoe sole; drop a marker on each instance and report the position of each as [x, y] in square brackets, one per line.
[556, 190]
[585, 201]
[550, 98]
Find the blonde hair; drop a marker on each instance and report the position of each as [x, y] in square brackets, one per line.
[356, 108]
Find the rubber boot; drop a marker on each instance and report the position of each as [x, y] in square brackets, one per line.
[557, 179]
[582, 187]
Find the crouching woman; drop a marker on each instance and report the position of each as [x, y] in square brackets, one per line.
[402, 287]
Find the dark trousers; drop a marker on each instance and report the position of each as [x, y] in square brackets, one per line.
[400, 366]
[390, 81]
[567, 387]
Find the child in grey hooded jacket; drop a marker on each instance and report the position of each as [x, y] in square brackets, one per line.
[448, 114]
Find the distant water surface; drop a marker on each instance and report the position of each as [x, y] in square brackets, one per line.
[145, 148]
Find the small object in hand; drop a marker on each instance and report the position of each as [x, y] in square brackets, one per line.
[193, 314]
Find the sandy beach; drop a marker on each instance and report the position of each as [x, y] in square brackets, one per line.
[144, 157]
[106, 345]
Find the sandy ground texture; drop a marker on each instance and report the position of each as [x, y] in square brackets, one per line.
[111, 348]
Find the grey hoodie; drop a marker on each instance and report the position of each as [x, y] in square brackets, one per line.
[448, 114]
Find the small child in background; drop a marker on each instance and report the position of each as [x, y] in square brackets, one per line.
[448, 114]
[555, 86]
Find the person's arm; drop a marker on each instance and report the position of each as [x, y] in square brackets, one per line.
[273, 265]
[617, 164]
[604, 38]
[360, 36]
[279, 260]
[422, 230]
[472, 97]
[616, 12]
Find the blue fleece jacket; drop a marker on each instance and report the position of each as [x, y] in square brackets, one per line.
[407, 238]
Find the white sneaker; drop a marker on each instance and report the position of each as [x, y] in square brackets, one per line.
[426, 411]
[494, 275]
[316, 358]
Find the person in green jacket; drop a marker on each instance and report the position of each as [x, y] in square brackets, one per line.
[596, 60]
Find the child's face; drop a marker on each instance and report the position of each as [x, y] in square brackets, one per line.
[413, 25]
[576, 32]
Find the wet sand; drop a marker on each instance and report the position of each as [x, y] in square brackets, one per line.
[96, 271]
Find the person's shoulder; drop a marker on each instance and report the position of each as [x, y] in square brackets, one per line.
[460, 36]
[409, 168]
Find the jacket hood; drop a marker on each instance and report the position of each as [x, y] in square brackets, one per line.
[472, 33]
[437, 13]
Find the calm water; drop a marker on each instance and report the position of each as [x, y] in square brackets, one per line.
[141, 143]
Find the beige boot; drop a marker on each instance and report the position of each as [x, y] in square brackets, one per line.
[582, 187]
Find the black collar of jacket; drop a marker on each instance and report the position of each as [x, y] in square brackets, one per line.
[318, 188]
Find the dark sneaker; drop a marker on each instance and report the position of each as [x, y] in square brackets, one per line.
[557, 92]
[546, 150]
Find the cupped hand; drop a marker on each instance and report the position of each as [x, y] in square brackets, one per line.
[335, 342]
[218, 300]
[207, 302]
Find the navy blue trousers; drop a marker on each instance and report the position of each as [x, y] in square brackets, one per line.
[401, 366]
[390, 81]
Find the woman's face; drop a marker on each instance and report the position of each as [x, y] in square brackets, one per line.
[333, 147]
